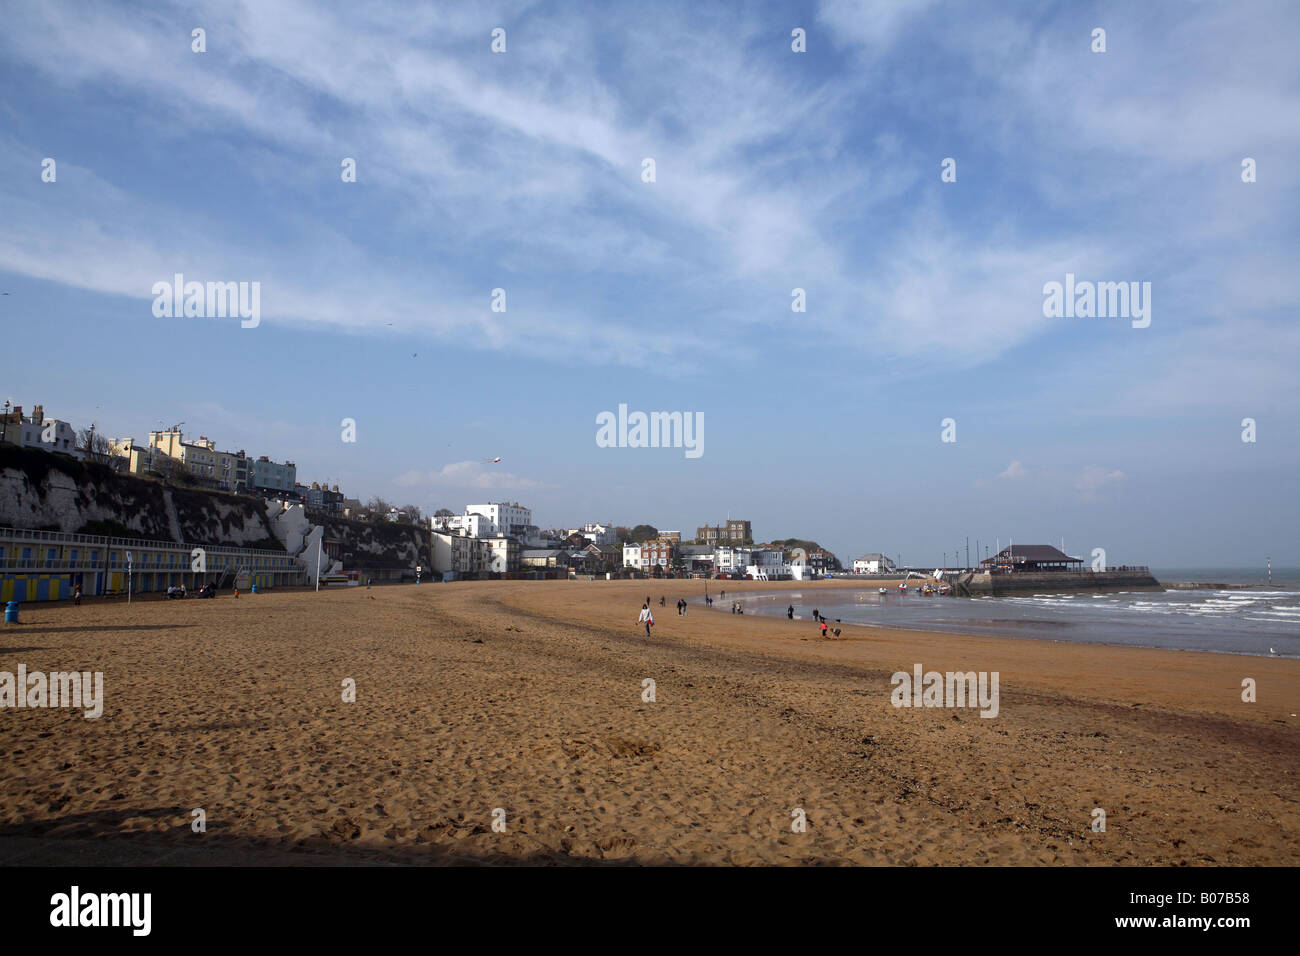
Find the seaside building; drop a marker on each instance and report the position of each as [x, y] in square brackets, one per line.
[732, 560]
[205, 465]
[321, 498]
[37, 431]
[601, 535]
[544, 559]
[696, 558]
[673, 536]
[874, 563]
[501, 555]
[819, 562]
[632, 556]
[658, 554]
[457, 555]
[735, 531]
[508, 518]
[768, 565]
[1032, 557]
[471, 525]
[272, 476]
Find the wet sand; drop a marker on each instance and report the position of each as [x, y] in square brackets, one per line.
[527, 696]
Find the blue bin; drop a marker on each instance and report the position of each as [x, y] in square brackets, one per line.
[253, 589]
[11, 612]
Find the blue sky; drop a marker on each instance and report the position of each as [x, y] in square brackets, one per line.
[774, 170]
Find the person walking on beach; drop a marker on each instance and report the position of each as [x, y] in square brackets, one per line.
[76, 594]
[663, 601]
[817, 615]
[646, 617]
[823, 629]
[789, 612]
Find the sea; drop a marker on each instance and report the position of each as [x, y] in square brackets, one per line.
[1258, 619]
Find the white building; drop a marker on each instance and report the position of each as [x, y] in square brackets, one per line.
[509, 518]
[601, 535]
[872, 564]
[729, 560]
[501, 553]
[37, 431]
[456, 554]
[470, 525]
[767, 565]
[632, 556]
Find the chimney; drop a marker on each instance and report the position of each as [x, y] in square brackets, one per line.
[38, 414]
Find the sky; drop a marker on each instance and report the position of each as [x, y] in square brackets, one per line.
[774, 170]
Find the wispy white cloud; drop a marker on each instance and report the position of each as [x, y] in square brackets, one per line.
[465, 474]
[1094, 477]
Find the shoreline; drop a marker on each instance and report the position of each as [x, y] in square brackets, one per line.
[939, 630]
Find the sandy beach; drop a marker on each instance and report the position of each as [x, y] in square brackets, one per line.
[528, 697]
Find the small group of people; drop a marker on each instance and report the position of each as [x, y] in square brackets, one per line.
[736, 608]
[681, 607]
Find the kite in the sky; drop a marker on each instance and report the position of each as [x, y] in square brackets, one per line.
[488, 461]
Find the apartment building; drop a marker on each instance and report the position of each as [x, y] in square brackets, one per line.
[321, 498]
[206, 466]
[502, 553]
[659, 554]
[601, 535]
[471, 525]
[456, 555]
[732, 560]
[268, 476]
[508, 518]
[37, 431]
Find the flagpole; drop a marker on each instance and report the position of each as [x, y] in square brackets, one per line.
[318, 541]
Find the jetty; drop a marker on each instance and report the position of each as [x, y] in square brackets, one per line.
[1039, 568]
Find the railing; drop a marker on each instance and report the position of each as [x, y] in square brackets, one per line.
[23, 534]
[116, 564]
[1023, 570]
